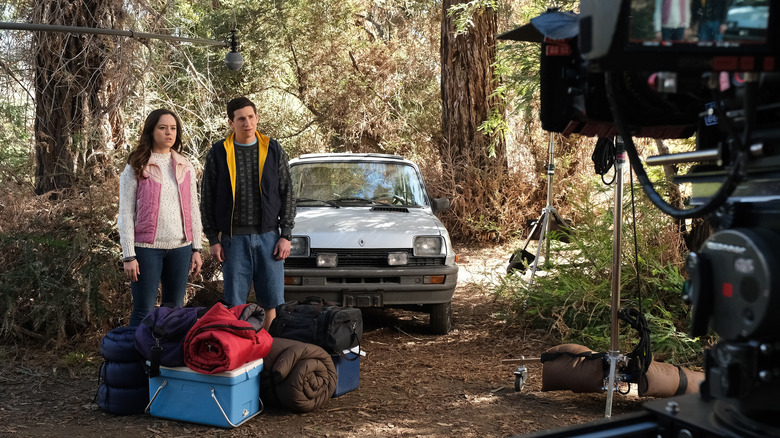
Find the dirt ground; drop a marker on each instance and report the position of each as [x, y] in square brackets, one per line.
[412, 384]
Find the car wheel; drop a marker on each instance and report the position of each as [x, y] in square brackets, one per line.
[441, 318]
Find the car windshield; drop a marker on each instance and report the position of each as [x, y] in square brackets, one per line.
[357, 183]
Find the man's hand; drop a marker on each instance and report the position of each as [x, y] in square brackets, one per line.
[282, 249]
[217, 251]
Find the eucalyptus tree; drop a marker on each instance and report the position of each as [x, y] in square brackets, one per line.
[78, 87]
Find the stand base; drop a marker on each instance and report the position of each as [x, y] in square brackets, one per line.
[681, 416]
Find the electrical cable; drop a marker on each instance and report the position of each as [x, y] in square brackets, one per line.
[643, 353]
[733, 178]
[604, 158]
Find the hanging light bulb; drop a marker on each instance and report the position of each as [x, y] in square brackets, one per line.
[233, 59]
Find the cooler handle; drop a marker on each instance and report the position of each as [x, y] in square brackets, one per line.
[146, 411]
[214, 396]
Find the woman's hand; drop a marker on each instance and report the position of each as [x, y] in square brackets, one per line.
[131, 270]
[196, 263]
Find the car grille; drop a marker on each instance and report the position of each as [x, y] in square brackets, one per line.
[376, 258]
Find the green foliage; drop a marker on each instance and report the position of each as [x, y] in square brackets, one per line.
[58, 265]
[463, 13]
[75, 359]
[14, 138]
[572, 296]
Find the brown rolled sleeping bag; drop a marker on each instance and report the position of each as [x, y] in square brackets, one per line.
[572, 367]
[297, 376]
[666, 380]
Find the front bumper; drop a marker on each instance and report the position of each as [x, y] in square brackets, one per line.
[372, 287]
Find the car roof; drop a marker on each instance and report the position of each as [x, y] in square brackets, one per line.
[348, 156]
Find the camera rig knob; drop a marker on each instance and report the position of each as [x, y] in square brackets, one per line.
[733, 280]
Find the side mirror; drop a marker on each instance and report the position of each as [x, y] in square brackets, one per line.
[439, 204]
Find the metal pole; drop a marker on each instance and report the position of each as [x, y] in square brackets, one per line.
[550, 177]
[548, 209]
[115, 32]
[617, 242]
[614, 345]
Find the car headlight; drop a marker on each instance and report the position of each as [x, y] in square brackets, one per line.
[299, 247]
[428, 246]
[327, 260]
[397, 258]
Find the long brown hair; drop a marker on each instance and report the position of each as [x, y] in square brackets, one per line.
[140, 155]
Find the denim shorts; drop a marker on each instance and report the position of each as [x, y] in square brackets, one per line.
[249, 260]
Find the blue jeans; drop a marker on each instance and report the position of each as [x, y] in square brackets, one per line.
[171, 267]
[710, 31]
[672, 33]
[249, 259]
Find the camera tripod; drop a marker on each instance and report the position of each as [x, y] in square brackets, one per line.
[543, 224]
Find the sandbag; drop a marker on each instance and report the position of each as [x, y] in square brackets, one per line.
[572, 367]
[667, 380]
[297, 376]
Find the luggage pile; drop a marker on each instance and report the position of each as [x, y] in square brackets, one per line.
[212, 365]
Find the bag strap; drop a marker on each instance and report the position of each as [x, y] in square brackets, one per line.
[100, 380]
[158, 333]
[683, 385]
[318, 300]
[354, 335]
[588, 355]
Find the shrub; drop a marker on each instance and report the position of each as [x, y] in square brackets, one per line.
[59, 262]
[571, 297]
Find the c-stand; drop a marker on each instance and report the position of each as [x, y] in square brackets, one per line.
[543, 224]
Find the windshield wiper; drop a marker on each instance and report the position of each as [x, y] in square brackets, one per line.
[354, 198]
[331, 203]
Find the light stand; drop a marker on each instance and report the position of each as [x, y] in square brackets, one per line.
[614, 356]
[544, 219]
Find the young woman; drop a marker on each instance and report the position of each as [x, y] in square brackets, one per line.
[159, 218]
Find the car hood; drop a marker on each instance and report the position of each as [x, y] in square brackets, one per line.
[362, 227]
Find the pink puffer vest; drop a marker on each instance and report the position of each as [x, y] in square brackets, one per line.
[148, 198]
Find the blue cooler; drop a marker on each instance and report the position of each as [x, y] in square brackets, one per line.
[347, 371]
[225, 399]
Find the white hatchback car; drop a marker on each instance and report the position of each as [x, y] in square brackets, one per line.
[366, 236]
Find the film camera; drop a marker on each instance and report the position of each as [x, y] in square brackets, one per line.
[613, 70]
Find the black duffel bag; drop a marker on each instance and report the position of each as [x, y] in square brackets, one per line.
[315, 321]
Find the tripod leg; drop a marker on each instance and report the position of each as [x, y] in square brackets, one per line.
[542, 236]
[533, 230]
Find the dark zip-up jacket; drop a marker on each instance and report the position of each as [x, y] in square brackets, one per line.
[711, 10]
[277, 203]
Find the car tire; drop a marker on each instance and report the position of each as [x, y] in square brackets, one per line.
[441, 318]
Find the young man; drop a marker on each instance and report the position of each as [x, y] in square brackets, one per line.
[246, 198]
[710, 16]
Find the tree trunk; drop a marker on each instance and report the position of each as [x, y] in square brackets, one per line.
[467, 83]
[700, 228]
[72, 130]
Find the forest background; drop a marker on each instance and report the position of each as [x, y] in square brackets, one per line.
[424, 79]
